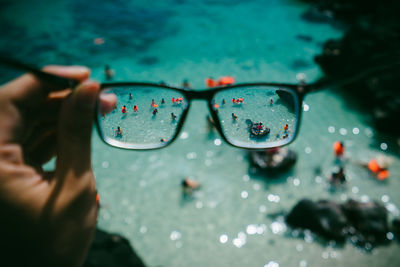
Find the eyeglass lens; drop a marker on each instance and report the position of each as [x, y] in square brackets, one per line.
[145, 117]
[140, 117]
[257, 117]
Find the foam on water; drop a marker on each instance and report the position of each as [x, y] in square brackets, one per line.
[229, 221]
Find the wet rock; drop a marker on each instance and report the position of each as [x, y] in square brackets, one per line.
[111, 250]
[273, 161]
[323, 217]
[371, 39]
[396, 227]
[368, 219]
[364, 223]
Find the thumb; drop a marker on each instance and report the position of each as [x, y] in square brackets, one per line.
[75, 130]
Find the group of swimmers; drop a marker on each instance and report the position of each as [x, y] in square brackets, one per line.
[378, 167]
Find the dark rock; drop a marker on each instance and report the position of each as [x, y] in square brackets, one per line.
[323, 217]
[371, 39]
[369, 219]
[396, 227]
[111, 250]
[277, 161]
[365, 223]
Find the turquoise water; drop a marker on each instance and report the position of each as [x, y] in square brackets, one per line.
[229, 221]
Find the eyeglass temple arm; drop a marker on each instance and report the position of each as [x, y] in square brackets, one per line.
[59, 82]
[342, 80]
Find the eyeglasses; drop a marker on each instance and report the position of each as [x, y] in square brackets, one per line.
[144, 116]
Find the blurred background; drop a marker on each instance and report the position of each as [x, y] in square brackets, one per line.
[238, 217]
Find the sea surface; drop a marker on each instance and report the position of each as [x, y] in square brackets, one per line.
[236, 218]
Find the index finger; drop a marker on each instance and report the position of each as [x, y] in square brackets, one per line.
[31, 88]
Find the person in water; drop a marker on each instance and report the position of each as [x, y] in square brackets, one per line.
[123, 110]
[155, 111]
[234, 116]
[186, 85]
[162, 101]
[118, 132]
[338, 177]
[48, 218]
[189, 185]
[153, 104]
[130, 96]
[338, 149]
[286, 127]
[379, 167]
[271, 101]
[108, 72]
[135, 108]
[173, 116]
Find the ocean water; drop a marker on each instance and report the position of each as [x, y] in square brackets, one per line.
[236, 218]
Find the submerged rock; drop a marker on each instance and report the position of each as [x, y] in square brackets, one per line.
[111, 250]
[277, 160]
[364, 223]
[323, 217]
[369, 219]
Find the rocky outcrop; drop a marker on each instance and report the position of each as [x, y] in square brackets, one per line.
[111, 250]
[363, 223]
[371, 39]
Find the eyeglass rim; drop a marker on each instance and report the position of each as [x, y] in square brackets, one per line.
[206, 94]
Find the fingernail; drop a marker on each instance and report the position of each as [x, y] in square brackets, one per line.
[86, 95]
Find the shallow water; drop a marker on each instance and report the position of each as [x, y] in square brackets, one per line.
[235, 219]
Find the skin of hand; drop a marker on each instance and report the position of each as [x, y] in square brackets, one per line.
[47, 218]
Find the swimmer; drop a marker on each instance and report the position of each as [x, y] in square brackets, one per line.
[123, 110]
[285, 136]
[163, 140]
[173, 100]
[215, 105]
[338, 177]
[118, 132]
[130, 96]
[155, 111]
[162, 101]
[108, 72]
[135, 108]
[378, 167]
[223, 101]
[338, 149]
[186, 85]
[286, 127]
[153, 104]
[173, 116]
[189, 185]
[234, 116]
[271, 101]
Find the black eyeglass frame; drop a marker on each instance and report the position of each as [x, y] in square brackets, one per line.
[206, 94]
[299, 90]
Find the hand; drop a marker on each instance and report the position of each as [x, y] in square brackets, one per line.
[47, 218]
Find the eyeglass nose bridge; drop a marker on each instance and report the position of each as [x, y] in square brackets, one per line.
[199, 95]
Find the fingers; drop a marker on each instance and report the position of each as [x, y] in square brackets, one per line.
[107, 103]
[75, 130]
[29, 89]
